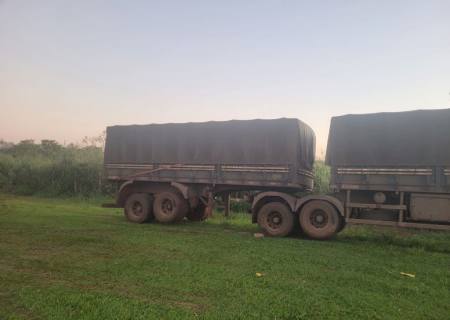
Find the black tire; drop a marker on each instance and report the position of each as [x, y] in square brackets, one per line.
[169, 207]
[197, 213]
[138, 208]
[276, 219]
[319, 220]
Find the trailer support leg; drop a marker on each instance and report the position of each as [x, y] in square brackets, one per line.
[348, 209]
[226, 201]
[210, 206]
[401, 211]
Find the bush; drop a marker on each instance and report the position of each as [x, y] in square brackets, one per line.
[51, 169]
[321, 177]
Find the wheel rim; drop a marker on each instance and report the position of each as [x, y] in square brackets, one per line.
[274, 220]
[167, 206]
[319, 218]
[137, 208]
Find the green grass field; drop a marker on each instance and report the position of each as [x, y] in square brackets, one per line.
[71, 259]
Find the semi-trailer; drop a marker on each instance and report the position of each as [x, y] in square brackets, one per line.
[386, 169]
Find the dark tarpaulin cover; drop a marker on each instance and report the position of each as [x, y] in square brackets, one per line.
[273, 142]
[412, 138]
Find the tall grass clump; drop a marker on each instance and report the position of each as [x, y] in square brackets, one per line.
[321, 177]
[51, 169]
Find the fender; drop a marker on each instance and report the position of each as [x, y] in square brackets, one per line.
[120, 195]
[334, 201]
[184, 189]
[291, 200]
[123, 186]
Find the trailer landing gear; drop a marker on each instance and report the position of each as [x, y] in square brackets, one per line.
[197, 213]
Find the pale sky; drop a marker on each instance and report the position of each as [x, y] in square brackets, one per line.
[68, 68]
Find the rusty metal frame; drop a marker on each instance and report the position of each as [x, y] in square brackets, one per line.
[432, 179]
[401, 207]
[221, 174]
[385, 171]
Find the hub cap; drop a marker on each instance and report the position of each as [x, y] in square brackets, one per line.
[319, 218]
[137, 208]
[274, 219]
[167, 206]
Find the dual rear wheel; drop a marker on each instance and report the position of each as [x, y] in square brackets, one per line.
[276, 219]
[138, 208]
[169, 207]
[317, 219]
[164, 207]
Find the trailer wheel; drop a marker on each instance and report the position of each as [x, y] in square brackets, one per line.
[319, 220]
[197, 213]
[138, 208]
[276, 219]
[169, 207]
